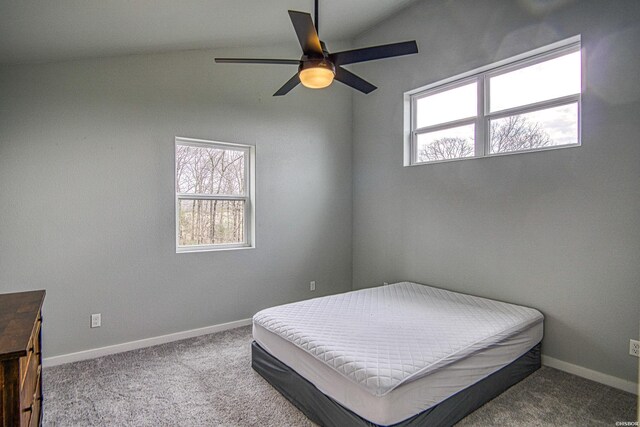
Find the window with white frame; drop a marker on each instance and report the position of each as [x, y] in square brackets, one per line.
[214, 195]
[527, 103]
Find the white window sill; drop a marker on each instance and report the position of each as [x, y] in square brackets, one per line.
[488, 156]
[196, 249]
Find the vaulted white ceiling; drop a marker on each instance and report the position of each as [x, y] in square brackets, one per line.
[53, 30]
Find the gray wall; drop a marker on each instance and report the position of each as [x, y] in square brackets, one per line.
[86, 183]
[556, 230]
[87, 202]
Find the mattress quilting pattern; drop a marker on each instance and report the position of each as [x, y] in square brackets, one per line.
[383, 337]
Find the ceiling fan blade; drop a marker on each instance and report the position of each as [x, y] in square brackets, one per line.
[306, 32]
[257, 61]
[375, 52]
[350, 79]
[286, 88]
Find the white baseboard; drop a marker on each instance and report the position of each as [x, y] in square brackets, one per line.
[619, 383]
[147, 342]
[615, 382]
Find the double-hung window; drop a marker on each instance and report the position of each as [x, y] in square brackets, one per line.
[214, 195]
[527, 103]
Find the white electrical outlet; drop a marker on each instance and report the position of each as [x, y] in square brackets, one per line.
[312, 285]
[634, 348]
[96, 320]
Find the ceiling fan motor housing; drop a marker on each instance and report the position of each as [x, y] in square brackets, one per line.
[317, 63]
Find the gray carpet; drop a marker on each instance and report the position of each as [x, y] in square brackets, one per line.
[208, 381]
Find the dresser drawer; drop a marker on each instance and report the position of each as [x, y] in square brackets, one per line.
[35, 417]
[33, 348]
[30, 371]
[31, 405]
[36, 405]
[36, 336]
[20, 359]
[31, 380]
[25, 419]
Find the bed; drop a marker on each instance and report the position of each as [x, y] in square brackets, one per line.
[403, 354]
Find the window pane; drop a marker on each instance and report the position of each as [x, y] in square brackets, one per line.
[210, 170]
[544, 128]
[206, 222]
[543, 81]
[453, 143]
[446, 106]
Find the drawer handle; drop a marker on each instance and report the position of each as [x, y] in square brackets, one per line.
[31, 349]
[29, 409]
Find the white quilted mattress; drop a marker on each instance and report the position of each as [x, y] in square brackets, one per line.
[386, 338]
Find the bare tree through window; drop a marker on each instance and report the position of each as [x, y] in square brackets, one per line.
[514, 133]
[446, 148]
[212, 183]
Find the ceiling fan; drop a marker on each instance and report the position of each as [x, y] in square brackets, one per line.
[317, 68]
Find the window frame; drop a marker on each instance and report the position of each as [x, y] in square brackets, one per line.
[481, 76]
[248, 198]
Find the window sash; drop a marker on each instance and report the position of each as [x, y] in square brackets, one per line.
[539, 106]
[247, 197]
[524, 63]
[225, 147]
[484, 116]
[440, 89]
[193, 248]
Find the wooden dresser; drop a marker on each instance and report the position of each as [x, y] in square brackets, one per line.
[20, 359]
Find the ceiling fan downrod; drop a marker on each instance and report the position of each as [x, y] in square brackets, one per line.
[315, 14]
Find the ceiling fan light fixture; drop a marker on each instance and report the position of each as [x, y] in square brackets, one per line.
[317, 74]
